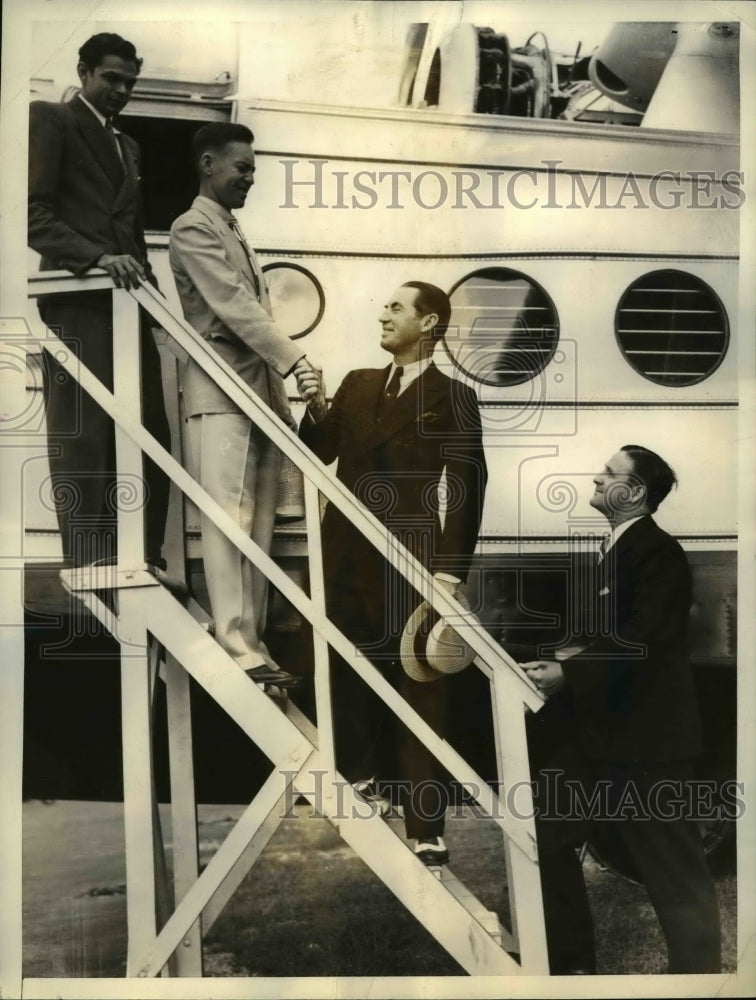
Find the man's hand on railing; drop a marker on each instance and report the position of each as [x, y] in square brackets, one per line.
[311, 388]
[547, 675]
[125, 271]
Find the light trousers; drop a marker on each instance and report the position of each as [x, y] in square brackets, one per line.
[239, 467]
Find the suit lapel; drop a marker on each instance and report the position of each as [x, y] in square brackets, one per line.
[130, 161]
[96, 138]
[370, 385]
[236, 252]
[618, 553]
[128, 191]
[408, 407]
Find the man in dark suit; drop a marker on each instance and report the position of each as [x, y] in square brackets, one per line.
[398, 433]
[621, 723]
[84, 212]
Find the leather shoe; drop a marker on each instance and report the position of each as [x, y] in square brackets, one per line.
[432, 851]
[368, 790]
[268, 675]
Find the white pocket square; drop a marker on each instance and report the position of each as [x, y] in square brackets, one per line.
[603, 592]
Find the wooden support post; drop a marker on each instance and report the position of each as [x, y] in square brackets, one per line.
[183, 809]
[523, 874]
[127, 389]
[164, 899]
[320, 646]
[143, 868]
[507, 845]
[11, 754]
[12, 457]
[138, 792]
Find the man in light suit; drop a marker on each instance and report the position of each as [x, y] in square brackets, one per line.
[85, 211]
[396, 433]
[621, 721]
[223, 296]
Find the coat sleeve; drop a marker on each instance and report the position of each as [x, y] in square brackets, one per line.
[466, 477]
[648, 617]
[217, 281]
[47, 233]
[324, 438]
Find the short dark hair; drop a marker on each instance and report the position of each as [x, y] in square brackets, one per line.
[217, 135]
[432, 299]
[653, 472]
[93, 51]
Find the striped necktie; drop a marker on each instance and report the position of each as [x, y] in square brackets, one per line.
[112, 135]
[236, 230]
[603, 547]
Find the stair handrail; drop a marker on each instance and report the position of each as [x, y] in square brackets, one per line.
[511, 690]
[489, 655]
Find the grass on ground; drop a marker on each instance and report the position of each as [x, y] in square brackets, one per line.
[309, 907]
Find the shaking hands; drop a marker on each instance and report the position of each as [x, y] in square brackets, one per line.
[311, 388]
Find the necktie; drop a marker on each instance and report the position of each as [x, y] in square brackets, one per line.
[236, 229]
[390, 392]
[114, 140]
[602, 547]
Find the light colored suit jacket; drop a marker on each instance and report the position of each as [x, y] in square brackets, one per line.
[216, 286]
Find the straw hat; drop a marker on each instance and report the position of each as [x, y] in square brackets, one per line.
[430, 647]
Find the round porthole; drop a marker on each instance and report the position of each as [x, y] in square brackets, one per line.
[504, 328]
[672, 328]
[296, 298]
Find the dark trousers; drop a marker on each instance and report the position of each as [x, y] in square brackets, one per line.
[667, 854]
[80, 435]
[370, 739]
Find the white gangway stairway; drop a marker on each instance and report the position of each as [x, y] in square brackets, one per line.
[149, 619]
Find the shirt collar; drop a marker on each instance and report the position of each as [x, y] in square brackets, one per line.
[617, 532]
[411, 371]
[100, 118]
[214, 207]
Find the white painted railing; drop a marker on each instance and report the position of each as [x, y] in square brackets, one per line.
[512, 692]
[490, 657]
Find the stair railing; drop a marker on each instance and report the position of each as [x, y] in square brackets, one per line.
[512, 691]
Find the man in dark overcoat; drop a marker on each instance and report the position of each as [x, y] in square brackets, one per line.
[613, 747]
[404, 437]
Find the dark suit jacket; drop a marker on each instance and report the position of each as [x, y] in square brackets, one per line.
[394, 467]
[631, 686]
[82, 201]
